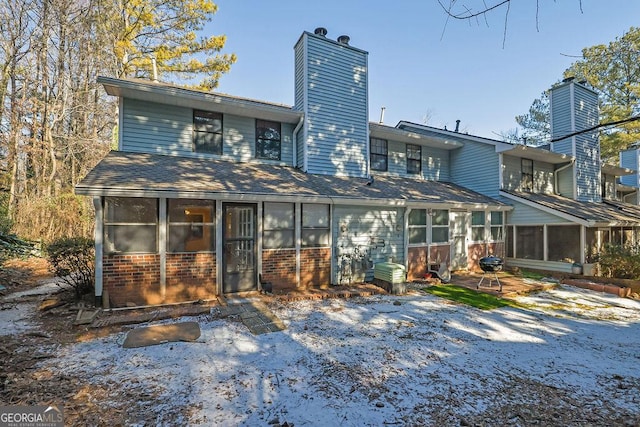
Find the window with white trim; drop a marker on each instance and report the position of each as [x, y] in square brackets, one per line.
[497, 229]
[315, 225]
[418, 226]
[191, 225]
[130, 225]
[440, 226]
[278, 226]
[477, 226]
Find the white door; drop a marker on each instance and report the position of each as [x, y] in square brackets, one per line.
[459, 247]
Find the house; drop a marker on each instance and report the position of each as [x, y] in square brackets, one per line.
[212, 194]
[566, 203]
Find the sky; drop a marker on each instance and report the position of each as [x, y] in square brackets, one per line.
[422, 67]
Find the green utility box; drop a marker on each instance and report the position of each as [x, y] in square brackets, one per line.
[390, 276]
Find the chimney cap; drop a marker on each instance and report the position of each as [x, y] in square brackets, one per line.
[320, 31]
[344, 39]
[568, 79]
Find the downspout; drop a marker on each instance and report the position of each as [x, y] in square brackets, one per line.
[295, 141]
[555, 174]
[101, 300]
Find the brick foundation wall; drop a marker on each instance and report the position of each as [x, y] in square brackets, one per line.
[474, 253]
[419, 263]
[135, 278]
[190, 276]
[315, 267]
[279, 268]
[132, 278]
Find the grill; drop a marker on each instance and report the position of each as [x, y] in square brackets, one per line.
[491, 265]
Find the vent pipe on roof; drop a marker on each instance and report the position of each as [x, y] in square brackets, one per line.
[320, 31]
[155, 69]
[382, 114]
[344, 40]
[457, 125]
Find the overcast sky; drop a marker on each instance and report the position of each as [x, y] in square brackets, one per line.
[421, 65]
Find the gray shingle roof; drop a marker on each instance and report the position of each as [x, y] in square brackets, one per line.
[133, 173]
[595, 212]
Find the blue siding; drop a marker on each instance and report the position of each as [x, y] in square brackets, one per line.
[300, 77]
[543, 175]
[527, 215]
[476, 166]
[435, 162]
[336, 125]
[371, 229]
[630, 159]
[164, 129]
[156, 128]
[574, 108]
[565, 183]
[560, 98]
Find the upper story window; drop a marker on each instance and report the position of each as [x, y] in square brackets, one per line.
[379, 154]
[268, 140]
[207, 132]
[526, 166]
[414, 158]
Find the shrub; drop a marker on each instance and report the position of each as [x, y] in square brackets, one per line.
[622, 262]
[72, 259]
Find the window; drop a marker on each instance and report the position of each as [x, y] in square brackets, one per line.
[378, 148]
[477, 226]
[564, 243]
[527, 174]
[509, 242]
[418, 226]
[130, 225]
[496, 226]
[191, 225]
[529, 242]
[207, 132]
[315, 225]
[440, 226]
[414, 158]
[268, 140]
[278, 225]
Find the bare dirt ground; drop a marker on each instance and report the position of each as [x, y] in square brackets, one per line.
[23, 382]
[520, 401]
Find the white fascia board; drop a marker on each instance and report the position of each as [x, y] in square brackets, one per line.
[407, 137]
[548, 210]
[188, 98]
[533, 153]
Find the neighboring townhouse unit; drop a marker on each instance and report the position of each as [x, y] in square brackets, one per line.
[211, 194]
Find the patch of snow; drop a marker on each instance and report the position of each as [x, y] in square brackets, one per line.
[368, 362]
[16, 318]
[49, 287]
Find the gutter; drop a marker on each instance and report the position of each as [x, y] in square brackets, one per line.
[295, 140]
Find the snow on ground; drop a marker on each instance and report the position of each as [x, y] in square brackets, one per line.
[368, 361]
[16, 315]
